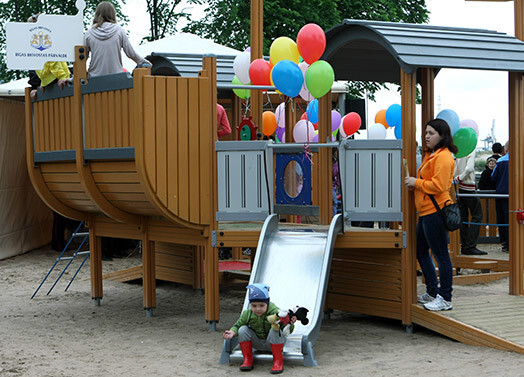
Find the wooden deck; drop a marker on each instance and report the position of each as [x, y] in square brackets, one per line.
[489, 320]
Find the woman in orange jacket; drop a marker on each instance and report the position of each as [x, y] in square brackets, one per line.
[435, 176]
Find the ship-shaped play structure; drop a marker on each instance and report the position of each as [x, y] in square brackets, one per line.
[136, 157]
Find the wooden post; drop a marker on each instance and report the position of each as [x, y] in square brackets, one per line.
[148, 270]
[516, 164]
[325, 183]
[257, 45]
[95, 254]
[291, 119]
[211, 281]
[409, 283]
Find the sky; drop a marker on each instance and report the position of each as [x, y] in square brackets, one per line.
[478, 95]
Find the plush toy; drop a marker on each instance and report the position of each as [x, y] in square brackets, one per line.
[283, 318]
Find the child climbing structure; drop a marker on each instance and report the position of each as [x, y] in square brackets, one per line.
[136, 158]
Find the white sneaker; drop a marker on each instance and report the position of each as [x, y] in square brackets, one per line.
[425, 298]
[438, 304]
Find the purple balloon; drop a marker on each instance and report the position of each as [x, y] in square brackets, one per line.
[281, 134]
[335, 120]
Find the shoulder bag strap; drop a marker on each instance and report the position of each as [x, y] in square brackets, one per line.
[434, 202]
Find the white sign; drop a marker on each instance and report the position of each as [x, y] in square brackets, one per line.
[52, 38]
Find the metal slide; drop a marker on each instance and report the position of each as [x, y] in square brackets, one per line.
[295, 262]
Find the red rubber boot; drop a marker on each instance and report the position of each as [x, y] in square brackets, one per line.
[278, 359]
[247, 352]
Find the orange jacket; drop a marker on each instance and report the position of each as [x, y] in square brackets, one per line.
[435, 176]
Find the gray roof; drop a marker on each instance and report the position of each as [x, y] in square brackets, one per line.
[375, 51]
[188, 65]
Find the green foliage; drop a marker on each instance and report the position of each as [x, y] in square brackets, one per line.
[20, 11]
[228, 21]
[163, 18]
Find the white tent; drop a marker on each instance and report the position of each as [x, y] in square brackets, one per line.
[25, 221]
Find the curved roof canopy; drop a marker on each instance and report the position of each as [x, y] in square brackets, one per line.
[375, 51]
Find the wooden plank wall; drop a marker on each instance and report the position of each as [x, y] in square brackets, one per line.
[366, 281]
[53, 125]
[175, 263]
[118, 181]
[177, 131]
[108, 120]
[63, 182]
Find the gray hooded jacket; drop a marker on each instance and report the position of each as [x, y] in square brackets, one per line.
[104, 44]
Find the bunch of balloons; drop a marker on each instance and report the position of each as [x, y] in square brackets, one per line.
[384, 119]
[465, 132]
[312, 78]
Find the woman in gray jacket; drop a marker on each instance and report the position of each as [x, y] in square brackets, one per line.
[104, 41]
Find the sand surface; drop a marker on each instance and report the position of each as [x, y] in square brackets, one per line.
[64, 334]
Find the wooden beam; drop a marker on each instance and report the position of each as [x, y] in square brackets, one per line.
[95, 246]
[257, 45]
[148, 269]
[325, 183]
[409, 286]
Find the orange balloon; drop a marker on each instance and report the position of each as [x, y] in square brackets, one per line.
[381, 118]
[269, 123]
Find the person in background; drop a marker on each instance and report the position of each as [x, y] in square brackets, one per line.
[223, 127]
[485, 181]
[500, 176]
[51, 73]
[435, 176]
[469, 233]
[105, 40]
[498, 151]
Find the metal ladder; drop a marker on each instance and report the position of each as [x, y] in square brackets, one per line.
[70, 259]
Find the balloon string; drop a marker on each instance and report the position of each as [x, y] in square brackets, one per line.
[247, 107]
[269, 101]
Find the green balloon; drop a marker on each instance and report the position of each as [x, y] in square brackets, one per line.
[319, 78]
[466, 141]
[242, 93]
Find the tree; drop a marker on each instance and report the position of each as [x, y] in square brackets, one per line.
[163, 18]
[228, 21]
[20, 11]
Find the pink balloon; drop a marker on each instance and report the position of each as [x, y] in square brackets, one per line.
[469, 123]
[280, 114]
[336, 119]
[303, 131]
[304, 92]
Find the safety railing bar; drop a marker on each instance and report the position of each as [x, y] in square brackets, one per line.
[496, 196]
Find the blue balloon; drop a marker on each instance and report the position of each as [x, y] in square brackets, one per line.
[451, 118]
[287, 78]
[393, 115]
[312, 111]
[398, 132]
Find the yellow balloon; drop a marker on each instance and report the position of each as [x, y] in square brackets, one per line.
[283, 48]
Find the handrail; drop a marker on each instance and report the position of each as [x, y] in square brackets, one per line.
[496, 196]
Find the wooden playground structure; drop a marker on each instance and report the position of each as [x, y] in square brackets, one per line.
[135, 158]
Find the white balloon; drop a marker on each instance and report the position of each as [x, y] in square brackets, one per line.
[280, 114]
[377, 131]
[341, 128]
[241, 67]
[303, 132]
